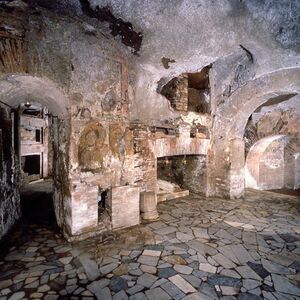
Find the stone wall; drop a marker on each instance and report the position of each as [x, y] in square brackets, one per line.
[236, 93]
[188, 171]
[151, 145]
[176, 91]
[85, 84]
[9, 173]
[101, 141]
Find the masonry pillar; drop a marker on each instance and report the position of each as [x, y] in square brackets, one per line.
[237, 171]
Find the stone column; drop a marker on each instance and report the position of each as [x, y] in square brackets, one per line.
[225, 169]
[237, 168]
[145, 162]
[148, 203]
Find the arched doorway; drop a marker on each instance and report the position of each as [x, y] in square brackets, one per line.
[272, 163]
[228, 157]
[19, 93]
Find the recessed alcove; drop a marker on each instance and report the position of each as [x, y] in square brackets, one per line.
[189, 92]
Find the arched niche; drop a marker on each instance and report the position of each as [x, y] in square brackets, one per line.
[272, 163]
[228, 159]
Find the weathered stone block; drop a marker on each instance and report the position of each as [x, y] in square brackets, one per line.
[84, 203]
[124, 204]
[148, 203]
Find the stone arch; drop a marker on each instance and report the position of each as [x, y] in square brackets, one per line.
[272, 163]
[256, 155]
[244, 102]
[231, 122]
[15, 89]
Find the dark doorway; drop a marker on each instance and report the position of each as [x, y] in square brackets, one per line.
[31, 164]
[37, 203]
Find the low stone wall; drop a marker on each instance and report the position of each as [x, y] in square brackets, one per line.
[148, 149]
[180, 146]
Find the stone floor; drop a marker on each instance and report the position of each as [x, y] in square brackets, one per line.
[198, 249]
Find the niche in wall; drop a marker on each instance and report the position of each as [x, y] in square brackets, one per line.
[31, 164]
[103, 205]
[198, 91]
[189, 92]
[186, 171]
[272, 163]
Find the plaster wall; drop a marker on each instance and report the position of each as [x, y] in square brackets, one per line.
[271, 167]
[215, 30]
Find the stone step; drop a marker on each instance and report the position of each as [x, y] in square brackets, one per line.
[163, 196]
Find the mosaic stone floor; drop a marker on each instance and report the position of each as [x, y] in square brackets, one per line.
[198, 249]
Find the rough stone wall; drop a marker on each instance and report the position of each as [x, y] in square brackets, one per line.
[227, 75]
[176, 91]
[92, 144]
[61, 183]
[12, 41]
[9, 174]
[189, 172]
[101, 141]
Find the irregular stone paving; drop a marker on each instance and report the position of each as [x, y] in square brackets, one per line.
[198, 249]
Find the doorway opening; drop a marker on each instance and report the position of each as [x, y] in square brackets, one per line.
[272, 146]
[177, 176]
[103, 205]
[31, 166]
[36, 164]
